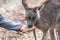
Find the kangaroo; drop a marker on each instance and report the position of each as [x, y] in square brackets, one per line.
[47, 19]
[31, 14]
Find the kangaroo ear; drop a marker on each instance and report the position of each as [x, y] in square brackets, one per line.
[39, 5]
[25, 4]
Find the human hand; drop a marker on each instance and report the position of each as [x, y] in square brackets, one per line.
[26, 29]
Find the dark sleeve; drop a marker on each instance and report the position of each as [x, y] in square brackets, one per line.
[8, 24]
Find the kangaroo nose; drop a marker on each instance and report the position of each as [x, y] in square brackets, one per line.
[29, 26]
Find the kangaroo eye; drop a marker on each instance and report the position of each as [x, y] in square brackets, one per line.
[33, 18]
